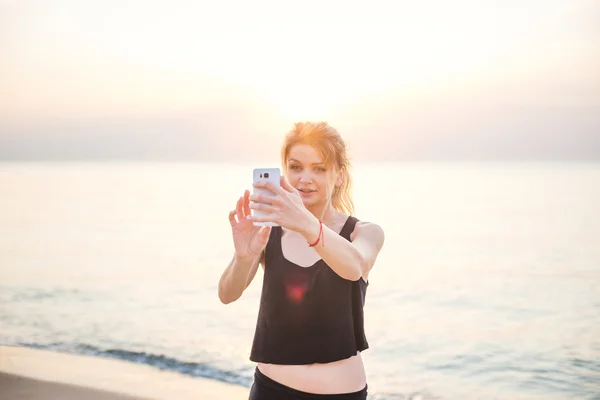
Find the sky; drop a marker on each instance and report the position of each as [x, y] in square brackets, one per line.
[206, 80]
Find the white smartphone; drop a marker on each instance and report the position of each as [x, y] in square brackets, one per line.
[265, 174]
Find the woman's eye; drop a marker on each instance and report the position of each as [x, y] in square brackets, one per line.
[294, 167]
[320, 169]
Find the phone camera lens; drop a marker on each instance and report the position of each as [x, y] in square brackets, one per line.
[266, 174]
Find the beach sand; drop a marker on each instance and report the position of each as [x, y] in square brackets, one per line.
[34, 374]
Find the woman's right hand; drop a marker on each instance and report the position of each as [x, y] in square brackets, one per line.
[249, 240]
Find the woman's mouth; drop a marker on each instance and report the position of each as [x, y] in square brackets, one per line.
[306, 193]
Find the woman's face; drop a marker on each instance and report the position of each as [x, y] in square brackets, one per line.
[307, 172]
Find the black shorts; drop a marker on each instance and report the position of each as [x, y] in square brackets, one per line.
[265, 388]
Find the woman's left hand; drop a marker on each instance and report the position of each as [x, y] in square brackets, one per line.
[285, 208]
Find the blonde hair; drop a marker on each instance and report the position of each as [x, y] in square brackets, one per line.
[332, 147]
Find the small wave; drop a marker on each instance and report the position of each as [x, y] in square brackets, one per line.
[160, 361]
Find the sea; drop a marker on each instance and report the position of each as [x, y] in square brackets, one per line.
[487, 287]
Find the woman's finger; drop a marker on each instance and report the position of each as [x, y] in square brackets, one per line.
[261, 198]
[270, 186]
[239, 209]
[266, 218]
[257, 197]
[246, 203]
[286, 185]
[265, 208]
[232, 220]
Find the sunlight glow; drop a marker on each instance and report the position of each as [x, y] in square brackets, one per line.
[301, 62]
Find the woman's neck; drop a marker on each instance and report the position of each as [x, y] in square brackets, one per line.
[326, 213]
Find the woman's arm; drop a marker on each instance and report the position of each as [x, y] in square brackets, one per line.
[237, 276]
[350, 260]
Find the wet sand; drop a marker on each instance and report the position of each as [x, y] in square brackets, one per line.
[32, 374]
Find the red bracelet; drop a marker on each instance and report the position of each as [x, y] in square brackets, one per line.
[318, 237]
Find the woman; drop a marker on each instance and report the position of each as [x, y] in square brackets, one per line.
[309, 332]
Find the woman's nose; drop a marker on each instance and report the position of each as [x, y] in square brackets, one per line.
[305, 178]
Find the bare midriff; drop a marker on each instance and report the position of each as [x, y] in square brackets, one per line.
[343, 376]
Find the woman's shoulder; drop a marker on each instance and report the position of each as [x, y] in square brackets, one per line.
[367, 229]
[359, 222]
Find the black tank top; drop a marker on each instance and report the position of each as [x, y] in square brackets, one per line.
[310, 314]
